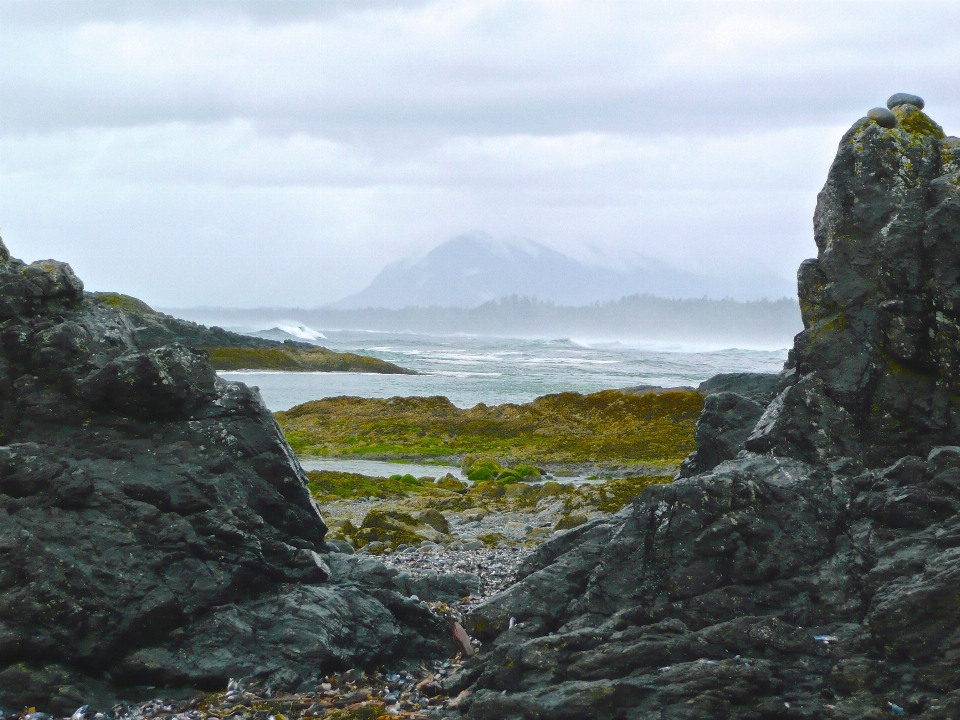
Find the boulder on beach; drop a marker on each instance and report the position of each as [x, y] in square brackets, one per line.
[808, 567]
[155, 527]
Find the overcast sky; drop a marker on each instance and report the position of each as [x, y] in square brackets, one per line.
[281, 153]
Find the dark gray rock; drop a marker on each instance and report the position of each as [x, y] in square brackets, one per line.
[734, 403]
[759, 387]
[548, 586]
[898, 99]
[286, 638]
[880, 303]
[151, 329]
[724, 424]
[154, 524]
[707, 599]
[431, 586]
[339, 546]
[803, 422]
[815, 573]
[882, 117]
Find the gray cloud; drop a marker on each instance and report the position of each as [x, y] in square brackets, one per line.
[303, 67]
[210, 152]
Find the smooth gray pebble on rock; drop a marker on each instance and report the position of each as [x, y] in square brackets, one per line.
[905, 99]
[882, 117]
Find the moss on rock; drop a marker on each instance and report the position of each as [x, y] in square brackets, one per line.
[449, 482]
[330, 484]
[125, 302]
[570, 521]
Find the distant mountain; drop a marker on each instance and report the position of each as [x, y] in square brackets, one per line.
[470, 270]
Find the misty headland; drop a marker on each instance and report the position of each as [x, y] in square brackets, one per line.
[517, 346]
[475, 284]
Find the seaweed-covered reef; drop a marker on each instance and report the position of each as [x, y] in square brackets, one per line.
[808, 565]
[627, 428]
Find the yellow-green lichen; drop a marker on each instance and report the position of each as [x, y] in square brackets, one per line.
[916, 122]
[295, 359]
[491, 540]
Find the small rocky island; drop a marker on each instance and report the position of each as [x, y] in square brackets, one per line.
[158, 537]
[227, 350]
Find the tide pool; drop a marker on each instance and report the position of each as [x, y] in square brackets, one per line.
[383, 468]
[380, 468]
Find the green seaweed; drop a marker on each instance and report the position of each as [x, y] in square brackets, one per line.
[330, 484]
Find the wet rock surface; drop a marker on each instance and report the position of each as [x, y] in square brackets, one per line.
[155, 528]
[813, 571]
[733, 404]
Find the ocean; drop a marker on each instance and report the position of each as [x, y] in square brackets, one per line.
[471, 369]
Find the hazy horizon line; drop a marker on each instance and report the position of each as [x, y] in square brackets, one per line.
[533, 300]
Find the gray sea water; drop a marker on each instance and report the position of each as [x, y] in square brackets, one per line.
[476, 369]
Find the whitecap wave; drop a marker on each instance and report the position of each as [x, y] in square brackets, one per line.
[303, 332]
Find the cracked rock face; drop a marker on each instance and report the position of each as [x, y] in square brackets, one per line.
[812, 568]
[155, 527]
[766, 588]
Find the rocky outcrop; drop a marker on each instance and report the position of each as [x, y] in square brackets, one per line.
[155, 528]
[879, 358]
[765, 588]
[814, 571]
[228, 350]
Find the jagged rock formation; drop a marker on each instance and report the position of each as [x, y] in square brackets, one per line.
[816, 573]
[155, 528]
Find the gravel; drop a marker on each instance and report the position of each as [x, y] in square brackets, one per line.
[497, 567]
